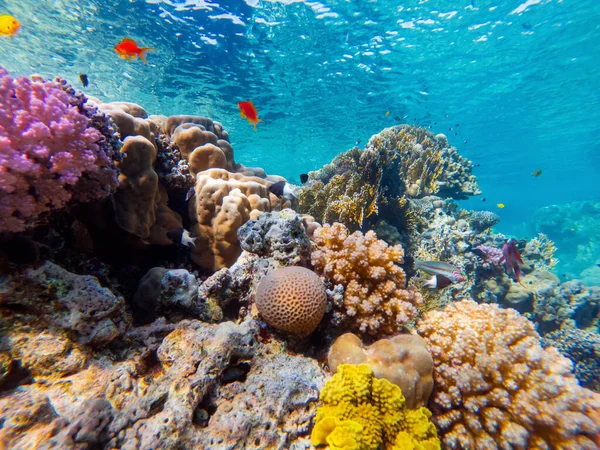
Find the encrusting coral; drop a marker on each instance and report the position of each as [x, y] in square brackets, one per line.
[361, 412]
[402, 360]
[292, 299]
[496, 387]
[54, 148]
[376, 300]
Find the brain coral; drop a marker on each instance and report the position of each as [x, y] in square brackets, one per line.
[376, 300]
[224, 201]
[361, 412]
[292, 299]
[50, 151]
[403, 360]
[495, 387]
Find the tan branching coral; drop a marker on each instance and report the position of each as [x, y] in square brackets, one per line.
[402, 360]
[540, 251]
[376, 300]
[357, 186]
[428, 164]
[495, 384]
[224, 201]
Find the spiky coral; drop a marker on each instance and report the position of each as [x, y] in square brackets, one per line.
[428, 164]
[376, 300]
[355, 187]
[494, 383]
[361, 412]
[541, 251]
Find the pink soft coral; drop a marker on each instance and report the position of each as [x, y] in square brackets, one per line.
[47, 147]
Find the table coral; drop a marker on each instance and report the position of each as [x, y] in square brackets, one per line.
[224, 201]
[51, 151]
[376, 300]
[362, 412]
[402, 360]
[495, 384]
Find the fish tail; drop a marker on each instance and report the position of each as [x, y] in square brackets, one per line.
[255, 122]
[143, 52]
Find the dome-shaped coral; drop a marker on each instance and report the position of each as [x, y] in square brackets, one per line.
[403, 360]
[361, 412]
[495, 384]
[292, 299]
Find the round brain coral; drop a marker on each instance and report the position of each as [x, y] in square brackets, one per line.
[495, 387]
[292, 299]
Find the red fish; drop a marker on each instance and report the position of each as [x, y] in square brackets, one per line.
[248, 111]
[129, 50]
[511, 258]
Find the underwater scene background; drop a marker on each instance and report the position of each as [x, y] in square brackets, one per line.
[396, 249]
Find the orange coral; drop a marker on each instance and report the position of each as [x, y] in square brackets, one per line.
[495, 384]
[376, 300]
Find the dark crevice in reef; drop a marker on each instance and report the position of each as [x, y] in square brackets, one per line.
[236, 371]
[205, 409]
[17, 376]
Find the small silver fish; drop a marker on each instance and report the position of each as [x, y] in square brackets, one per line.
[186, 239]
[441, 268]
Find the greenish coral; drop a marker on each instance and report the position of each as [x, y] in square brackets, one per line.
[361, 187]
[540, 251]
[361, 412]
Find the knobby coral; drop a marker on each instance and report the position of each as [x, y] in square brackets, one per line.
[403, 360]
[361, 412]
[376, 300]
[50, 152]
[496, 387]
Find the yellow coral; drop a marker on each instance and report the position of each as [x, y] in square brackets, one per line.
[361, 412]
[376, 300]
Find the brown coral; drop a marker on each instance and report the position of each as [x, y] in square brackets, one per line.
[495, 384]
[224, 201]
[428, 164]
[403, 360]
[292, 299]
[376, 300]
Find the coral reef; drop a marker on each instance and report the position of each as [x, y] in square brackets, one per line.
[574, 229]
[280, 236]
[568, 305]
[224, 201]
[479, 221]
[428, 164]
[51, 151]
[292, 299]
[583, 349]
[376, 300]
[359, 411]
[402, 360]
[360, 187]
[541, 250]
[494, 383]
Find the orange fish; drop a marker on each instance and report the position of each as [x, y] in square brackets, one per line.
[129, 50]
[248, 111]
[9, 26]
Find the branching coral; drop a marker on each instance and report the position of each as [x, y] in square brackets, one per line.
[376, 300]
[428, 164]
[361, 412]
[495, 384]
[541, 251]
[50, 151]
[357, 186]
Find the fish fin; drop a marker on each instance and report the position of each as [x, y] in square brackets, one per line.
[255, 122]
[143, 52]
[125, 39]
[431, 283]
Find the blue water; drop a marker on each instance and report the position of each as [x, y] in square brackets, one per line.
[518, 83]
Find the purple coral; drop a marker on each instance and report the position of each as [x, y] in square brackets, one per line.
[490, 255]
[50, 152]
